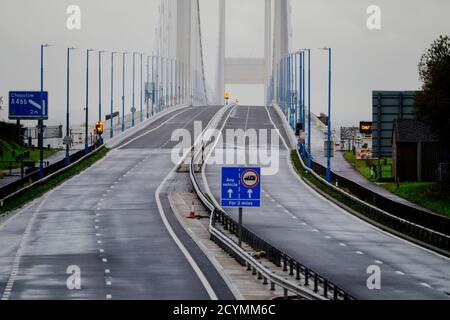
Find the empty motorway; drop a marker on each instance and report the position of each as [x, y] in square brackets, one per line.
[114, 224]
[314, 231]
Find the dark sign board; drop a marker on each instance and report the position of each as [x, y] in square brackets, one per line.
[365, 127]
[387, 106]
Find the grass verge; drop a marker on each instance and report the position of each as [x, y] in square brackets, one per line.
[42, 188]
[433, 196]
[8, 147]
[363, 166]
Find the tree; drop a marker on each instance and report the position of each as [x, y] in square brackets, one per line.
[432, 103]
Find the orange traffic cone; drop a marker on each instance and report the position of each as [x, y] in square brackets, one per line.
[192, 212]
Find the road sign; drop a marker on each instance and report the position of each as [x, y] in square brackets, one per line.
[27, 105]
[241, 187]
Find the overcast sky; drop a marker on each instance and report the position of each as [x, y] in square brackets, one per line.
[363, 60]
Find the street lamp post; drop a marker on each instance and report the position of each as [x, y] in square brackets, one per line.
[328, 174]
[100, 91]
[86, 131]
[141, 117]
[67, 140]
[309, 108]
[123, 90]
[133, 108]
[41, 118]
[153, 85]
[111, 129]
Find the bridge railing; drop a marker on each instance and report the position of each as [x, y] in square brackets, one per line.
[318, 287]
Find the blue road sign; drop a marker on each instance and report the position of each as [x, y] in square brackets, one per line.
[241, 187]
[28, 105]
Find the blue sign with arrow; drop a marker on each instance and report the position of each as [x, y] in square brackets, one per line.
[241, 187]
[28, 105]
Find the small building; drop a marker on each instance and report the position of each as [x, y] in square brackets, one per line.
[416, 151]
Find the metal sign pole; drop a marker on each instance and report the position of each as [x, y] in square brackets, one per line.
[240, 227]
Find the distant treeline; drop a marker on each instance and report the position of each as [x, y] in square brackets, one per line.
[8, 131]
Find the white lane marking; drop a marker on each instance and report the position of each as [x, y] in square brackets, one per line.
[23, 240]
[319, 196]
[425, 284]
[180, 245]
[342, 244]
[101, 250]
[327, 237]
[107, 271]
[108, 296]
[359, 252]
[99, 242]
[105, 260]
[378, 262]
[400, 273]
[108, 283]
[154, 129]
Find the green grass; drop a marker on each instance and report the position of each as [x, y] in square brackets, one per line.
[40, 189]
[363, 166]
[8, 147]
[433, 196]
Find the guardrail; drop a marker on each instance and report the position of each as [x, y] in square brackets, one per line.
[18, 187]
[320, 287]
[413, 223]
[376, 213]
[424, 218]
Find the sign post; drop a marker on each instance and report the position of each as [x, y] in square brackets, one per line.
[241, 187]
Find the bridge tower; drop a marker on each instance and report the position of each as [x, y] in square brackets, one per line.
[255, 70]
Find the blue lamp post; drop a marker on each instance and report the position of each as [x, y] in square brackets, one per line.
[100, 90]
[328, 174]
[111, 129]
[86, 130]
[67, 139]
[140, 102]
[133, 108]
[123, 90]
[309, 108]
[41, 118]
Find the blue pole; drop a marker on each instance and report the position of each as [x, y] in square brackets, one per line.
[146, 88]
[111, 129]
[171, 83]
[67, 110]
[86, 130]
[153, 86]
[100, 91]
[123, 92]
[133, 109]
[329, 118]
[141, 119]
[309, 109]
[41, 120]
[302, 102]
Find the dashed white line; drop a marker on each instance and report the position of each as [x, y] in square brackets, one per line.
[342, 244]
[400, 273]
[359, 252]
